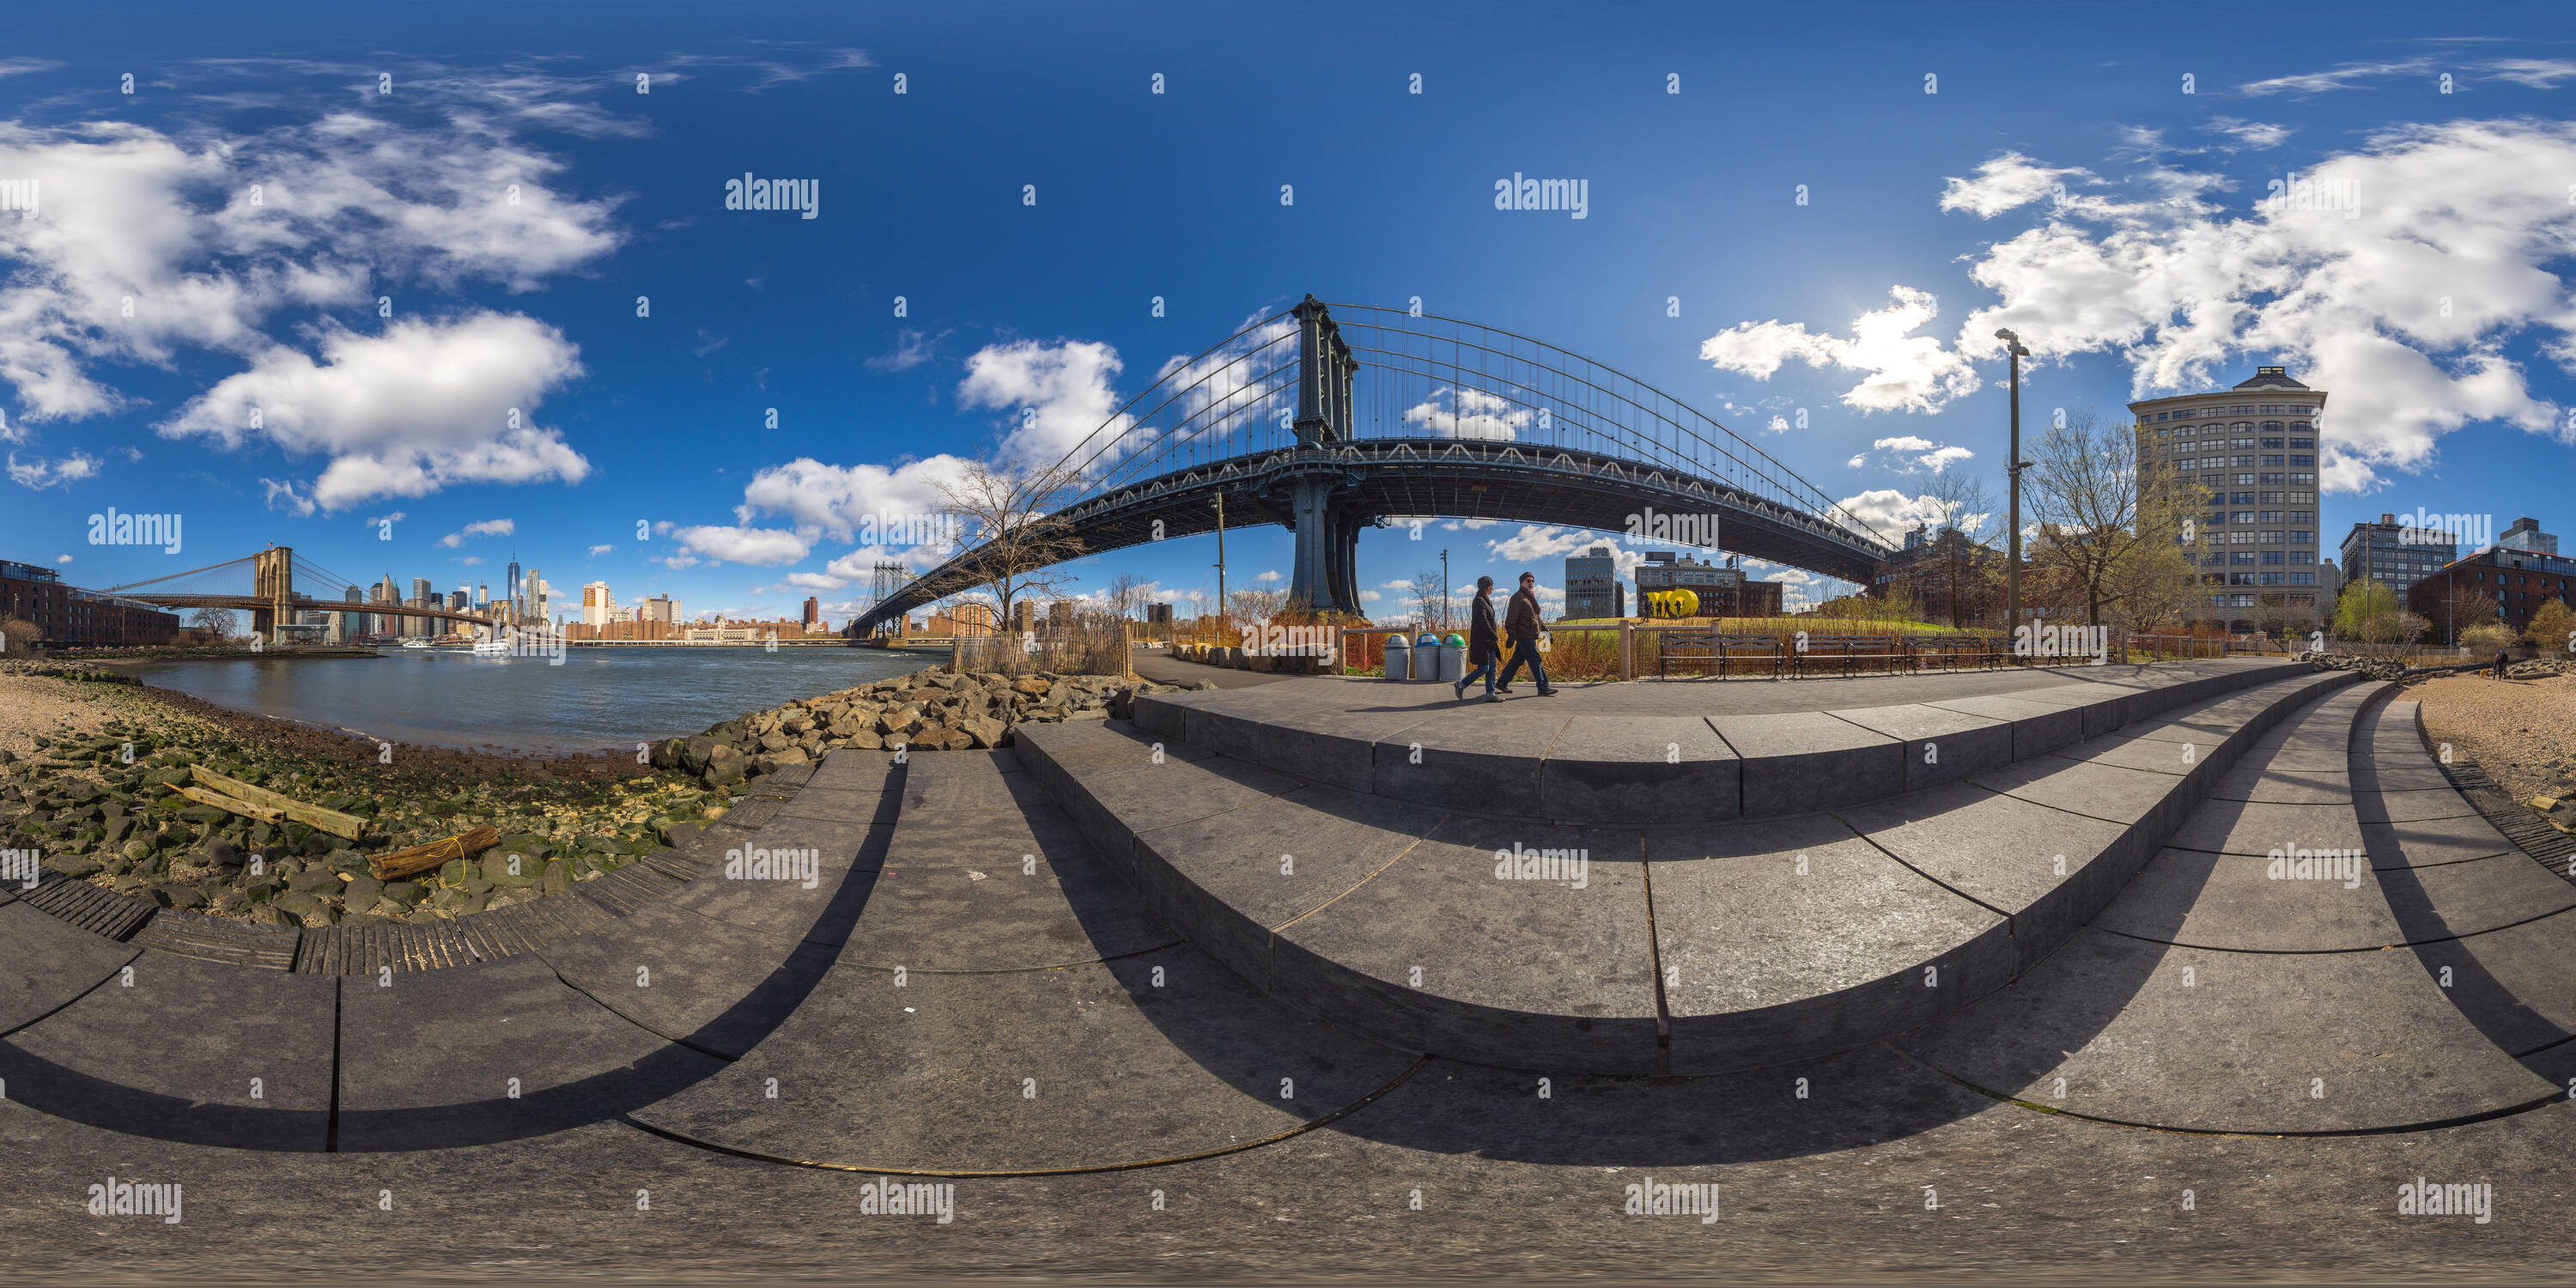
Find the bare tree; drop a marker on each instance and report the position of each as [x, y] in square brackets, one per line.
[18, 635]
[1124, 593]
[2109, 536]
[1016, 542]
[217, 624]
[1258, 605]
[1429, 607]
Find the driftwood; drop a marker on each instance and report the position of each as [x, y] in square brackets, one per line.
[220, 801]
[394, 864]
[332, 821]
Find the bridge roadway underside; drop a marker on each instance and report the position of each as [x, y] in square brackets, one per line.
[1352, 494]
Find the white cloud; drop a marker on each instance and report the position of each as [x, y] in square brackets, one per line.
[596, 551]
[1058, 394]
[2399, 302]
[1890, 512]
[1470, 413]
[911, 349]
[405, 412]
[1904, 443]
[1272, 575]
[2345, 76]
[62, 559]
[2253, 134]
[42, 473]
[1535, 542]
[486, 528]
[831, 500]
[471, 560]
[1906, 372]
[2536, 73]
[283, 496]
[764, 546]
[1940, 459]
[210, 236]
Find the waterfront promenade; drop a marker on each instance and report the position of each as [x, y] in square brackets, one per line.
[1239, 985]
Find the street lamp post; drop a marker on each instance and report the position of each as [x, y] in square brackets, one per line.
[2014, 353]
[1220, 554]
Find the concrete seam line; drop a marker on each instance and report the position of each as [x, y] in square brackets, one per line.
[2439, 1124]
[1400, 856]
[1274, 1138]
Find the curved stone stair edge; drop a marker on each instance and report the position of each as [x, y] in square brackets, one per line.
[1301, 751]
[2027, 938]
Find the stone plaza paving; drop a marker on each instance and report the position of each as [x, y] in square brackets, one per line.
[2111, 970]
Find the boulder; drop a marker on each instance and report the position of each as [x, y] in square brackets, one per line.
[725, 766]
[983, 731]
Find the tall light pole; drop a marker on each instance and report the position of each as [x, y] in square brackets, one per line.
[2014, 353]
[1220, 554]
[1444, 590]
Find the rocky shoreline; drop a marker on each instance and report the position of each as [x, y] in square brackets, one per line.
[925, 711]
[98, 797]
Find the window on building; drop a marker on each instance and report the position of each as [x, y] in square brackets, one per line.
[2303, 579]
[2271, 579]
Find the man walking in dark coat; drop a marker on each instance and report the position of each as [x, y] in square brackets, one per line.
[1520, 626]
[1481, 640]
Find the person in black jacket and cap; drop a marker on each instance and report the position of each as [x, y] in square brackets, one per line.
[1521, 627]
[1481, 639]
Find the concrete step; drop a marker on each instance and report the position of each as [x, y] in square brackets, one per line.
[369, 1047]
[1008, 1003]
[2243, 982]
[1678, 752]
[1700, 949]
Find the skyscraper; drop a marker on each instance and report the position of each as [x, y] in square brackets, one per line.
[511, 590]
[813, 612]
[598, 607]
[1592, 585]
[2247, 471]
[532, 593]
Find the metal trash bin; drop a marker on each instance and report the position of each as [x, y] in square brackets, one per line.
[1426, 659]
[1453, 658]
[1399, 657]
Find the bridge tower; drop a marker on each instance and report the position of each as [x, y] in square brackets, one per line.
[1328, 532]
[272, 578]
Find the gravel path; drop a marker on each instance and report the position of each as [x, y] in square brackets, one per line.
[2522, 732]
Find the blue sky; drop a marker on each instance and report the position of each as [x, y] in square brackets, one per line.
[2060, 181]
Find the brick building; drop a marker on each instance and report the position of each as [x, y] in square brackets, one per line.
[2519, 581]
[74, 618]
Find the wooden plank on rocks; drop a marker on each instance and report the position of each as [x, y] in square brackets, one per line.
[395, 864]
[244, 808]
[332, 821]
